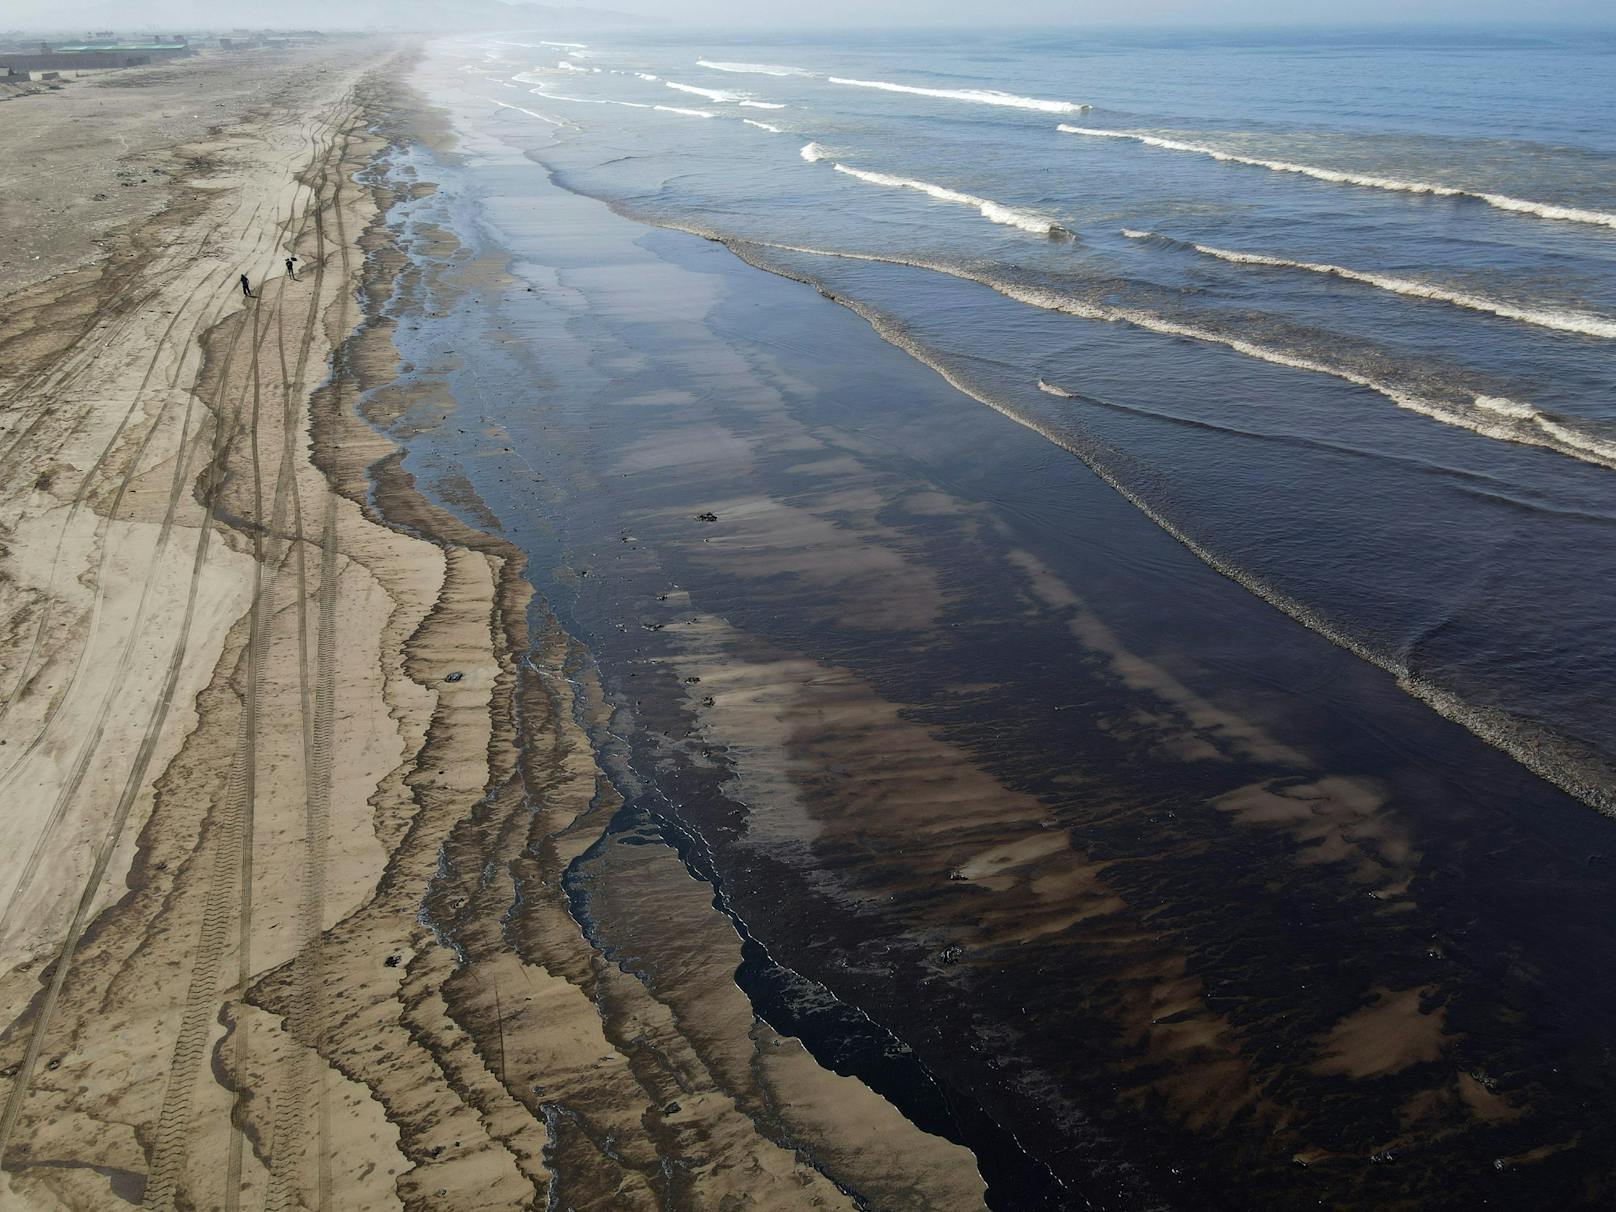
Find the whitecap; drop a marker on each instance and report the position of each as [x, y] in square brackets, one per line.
[773, 130]
[994, 211]
[753, 69]
[1559, 319]
[812, 152]
[981, 96]
[712, 94]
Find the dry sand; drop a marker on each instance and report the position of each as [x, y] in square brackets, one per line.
[284, 923]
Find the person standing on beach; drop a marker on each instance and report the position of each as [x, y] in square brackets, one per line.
[291, 269]
[246, 287]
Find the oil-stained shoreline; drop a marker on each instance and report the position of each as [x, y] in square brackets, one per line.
[681, 1112]
[976, 802]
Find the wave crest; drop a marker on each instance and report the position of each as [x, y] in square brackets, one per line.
[1559, 319]
[1544, 210]
[980, 96]
[989, 209]
[752, 69]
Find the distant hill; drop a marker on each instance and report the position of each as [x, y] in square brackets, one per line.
[402, 15]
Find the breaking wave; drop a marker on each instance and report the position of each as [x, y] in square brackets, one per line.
[647, 76]
[752, 69]
[1561, 320]
[689, 113]
[565, 66]
[989, 209]
[712, 94]
[981, 96]
[1494, 417]
[1543, 210]
[813, 152]
[749, 104]
[773, 130]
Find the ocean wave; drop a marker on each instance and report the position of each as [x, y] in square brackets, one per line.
[574, 67]
[549, 96]
[753, 69]
[1544, 210]
[773, 130]
[981, 96]
[813, 152]
[647, 76]
[689, 113]
[1559, 319]
[530, 113]
[712, 94]
[749, 104]
[1490, 416]
[989, 209]
[528, 78]
[536, 45]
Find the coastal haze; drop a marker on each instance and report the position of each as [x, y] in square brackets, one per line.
[615, 608]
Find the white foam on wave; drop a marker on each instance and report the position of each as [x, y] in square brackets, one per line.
[574, 67]
[989, 209]
[981, 96]
[773, 130]
[813, 152]
[689, 113]
[712, 94]
[536, 45]
[647, 76]
[1559, 319]
[1490, 416]
[1543, 210]
[749, 104]
[752, 69]
[549, 96]
[1049, 389]
[531, 113]
[1506, 407]
[528, 78]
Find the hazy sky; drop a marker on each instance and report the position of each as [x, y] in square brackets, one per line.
[796, 14]
[1126, 12]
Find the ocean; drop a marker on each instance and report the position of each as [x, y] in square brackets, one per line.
[1137, 670]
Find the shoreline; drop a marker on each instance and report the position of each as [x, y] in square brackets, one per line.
[374, 705]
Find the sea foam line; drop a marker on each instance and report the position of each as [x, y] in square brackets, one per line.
[752, 69]
[573, 67]
[530, 113]
[988, 208]
[981, 96]
[770, 127]
[1543, 210]
[1583, 323]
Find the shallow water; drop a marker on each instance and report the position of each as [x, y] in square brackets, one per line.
[1165, 898]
